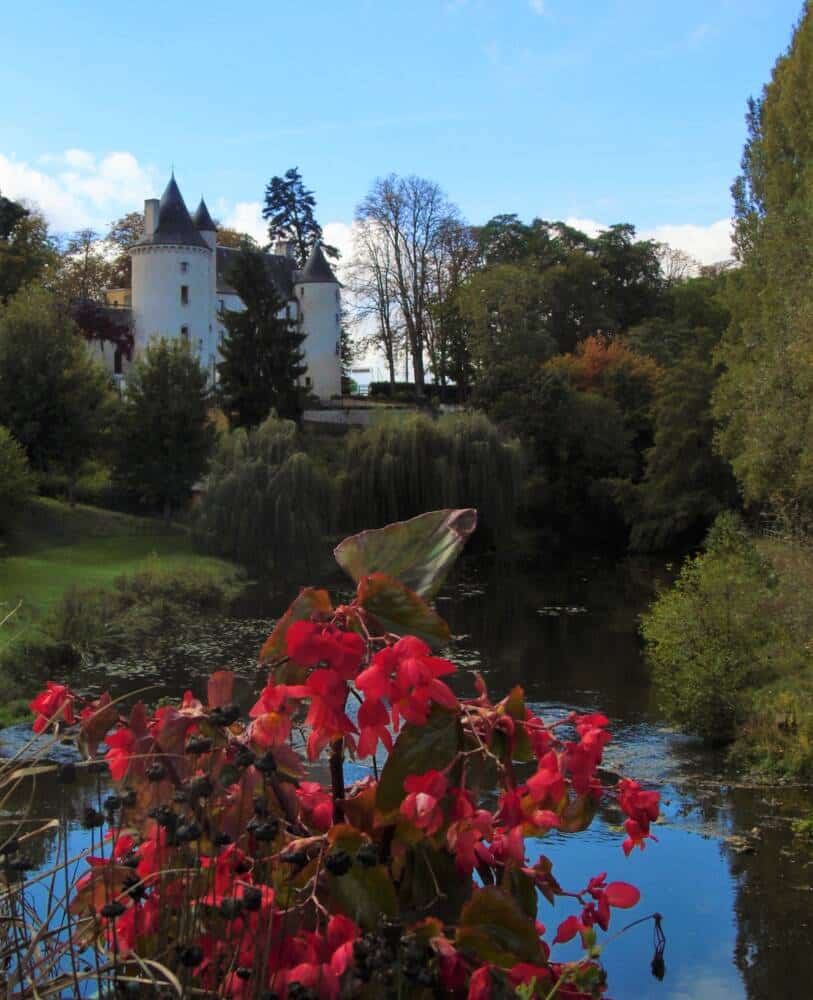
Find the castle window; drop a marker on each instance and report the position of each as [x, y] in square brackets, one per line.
[185, 332]
[184, 266]
[222, 304]
[184, 295]
[117, 362]
[308, 381]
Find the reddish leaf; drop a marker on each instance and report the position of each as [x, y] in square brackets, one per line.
[399, 610]
[220, 688]
[309, 602]
[494, 928]
[568, 929]
[622, 895]
[96, 722]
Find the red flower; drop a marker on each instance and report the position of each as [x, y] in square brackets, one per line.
[311, 643]
[316, 803]
[568, 929]
[326, 716]
[54, 704]
[373, 721]
[120, 748]
[547, 786]
[642, 808]
[422, 806]
[272, 714]
[480, 984]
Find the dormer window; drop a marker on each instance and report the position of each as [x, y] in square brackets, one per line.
[184, 266]
[185, 332]
[184, 295]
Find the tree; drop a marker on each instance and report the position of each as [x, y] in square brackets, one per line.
[16, 482]
[288, 209]
[124, 233]
[164, 435]
[54, 398]
[261, 353]
[233, 238]
[764, 399]
[85, 270]
[26, 250]
[372, 281]
[410, 215]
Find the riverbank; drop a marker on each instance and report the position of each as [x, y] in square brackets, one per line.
[80, 580]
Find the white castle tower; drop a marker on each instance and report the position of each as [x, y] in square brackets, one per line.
[317, 291]
[180, 286]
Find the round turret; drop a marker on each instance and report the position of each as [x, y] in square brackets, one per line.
[318, 292]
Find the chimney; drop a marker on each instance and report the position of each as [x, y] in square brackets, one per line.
[150, 217]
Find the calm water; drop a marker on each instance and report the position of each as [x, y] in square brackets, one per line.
[735, 890]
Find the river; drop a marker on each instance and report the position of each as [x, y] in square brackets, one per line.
[733, 886]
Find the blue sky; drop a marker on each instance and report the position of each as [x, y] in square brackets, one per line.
[597, 110]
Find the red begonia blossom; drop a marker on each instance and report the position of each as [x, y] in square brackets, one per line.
[54, 704]
[423, 804]
[312, 643]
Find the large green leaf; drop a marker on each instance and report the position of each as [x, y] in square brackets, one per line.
[417, 750]
[398, 609]
[418, 552]
[365, 895]
[431, 868]
[494, 928]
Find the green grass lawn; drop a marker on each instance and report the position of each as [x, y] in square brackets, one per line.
[56, 547]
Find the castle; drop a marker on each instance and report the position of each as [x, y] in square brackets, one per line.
[180, 287]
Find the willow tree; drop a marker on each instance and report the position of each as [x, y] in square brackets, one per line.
[267, 505]
[399, 469]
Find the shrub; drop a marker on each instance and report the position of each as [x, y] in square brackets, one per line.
[711, 637]
[228, 874]
[16, 483]
[267, 504]
[397, 469]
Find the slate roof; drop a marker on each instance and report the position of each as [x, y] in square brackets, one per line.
[281, 269]
[202, 219]
[175, 226]
[317, 269]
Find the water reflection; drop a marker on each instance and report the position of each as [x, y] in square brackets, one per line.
[732, 886]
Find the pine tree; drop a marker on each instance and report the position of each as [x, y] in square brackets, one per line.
[165, 437]
[288, 210]
[262, 355]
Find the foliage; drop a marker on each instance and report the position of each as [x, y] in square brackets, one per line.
[764, 397]
[164, 436]
[54, 399]
[85, 269]
[712, 637]
[267, 504]
[288, 210]
[16, 483]
[105, 324]
[229, 872]
[235, 239]
[685, 483]
[397, 469]
[575, 441]
[124, 233]
[26, 250]
[261, 352]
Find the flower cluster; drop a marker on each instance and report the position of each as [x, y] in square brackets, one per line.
[232, 865]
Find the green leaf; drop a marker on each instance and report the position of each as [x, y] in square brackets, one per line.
[419, 552]
[417, 750]
[428, 870]
[494, 928]
[309, 601]
[364, 894]
[398, 609]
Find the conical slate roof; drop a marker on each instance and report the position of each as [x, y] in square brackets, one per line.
[317, 269]
[203, 220]
[175, 226]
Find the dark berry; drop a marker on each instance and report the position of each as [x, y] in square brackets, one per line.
[242, 972]
[297, 858]
[244, 757]
[112, 909]
[224, 715]
[221, 840]
[156, 771]
[252, 899]
[260, 805]
[187, 832]
[128, 798]
[230, 907]
[266, 764]
[200, 788]
[92, 818]
[198, 744]
[367, 855]
[191, 955]
[338, 862]
[112, 803]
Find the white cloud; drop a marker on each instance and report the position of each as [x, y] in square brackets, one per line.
[706, 244]
[246, 217]
[75, 189]
[538, 6]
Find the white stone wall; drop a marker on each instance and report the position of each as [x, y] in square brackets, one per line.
[320, 307]
[157, 307]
